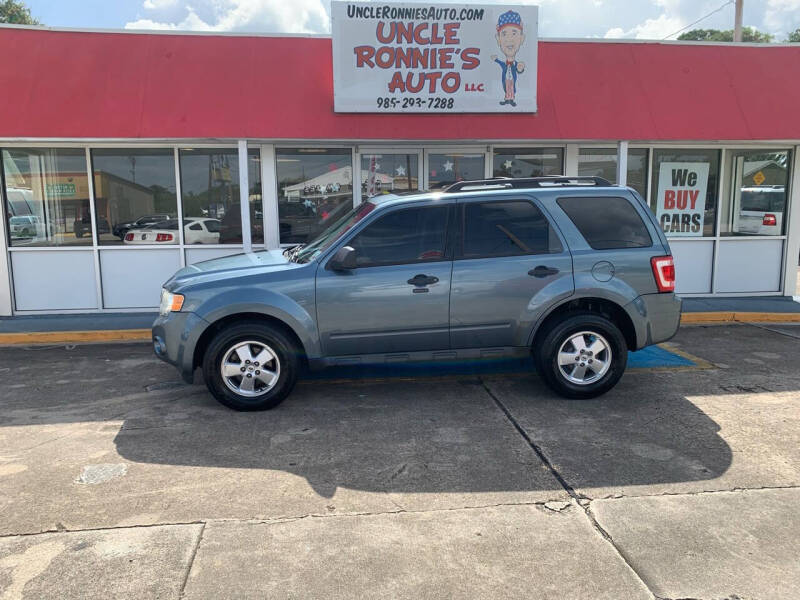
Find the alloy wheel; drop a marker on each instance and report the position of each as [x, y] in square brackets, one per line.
[250, 368]
[584, 358]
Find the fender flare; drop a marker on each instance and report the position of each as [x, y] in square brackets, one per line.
[625, 304]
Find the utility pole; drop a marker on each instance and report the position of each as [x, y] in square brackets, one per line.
[737, 27]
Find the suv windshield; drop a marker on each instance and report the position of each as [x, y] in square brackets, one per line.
[336, 230]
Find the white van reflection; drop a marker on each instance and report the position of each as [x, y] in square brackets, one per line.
[761, 210]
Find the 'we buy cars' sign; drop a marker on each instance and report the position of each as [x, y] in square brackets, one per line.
[682, 197]
[414, 57]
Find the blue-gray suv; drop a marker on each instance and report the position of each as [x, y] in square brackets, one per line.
[572, 270]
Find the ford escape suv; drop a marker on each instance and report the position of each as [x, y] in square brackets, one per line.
[571, 269]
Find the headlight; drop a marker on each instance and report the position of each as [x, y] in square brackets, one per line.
[170, 303]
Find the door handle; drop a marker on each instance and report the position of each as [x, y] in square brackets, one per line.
[422, 280]
[542, 271]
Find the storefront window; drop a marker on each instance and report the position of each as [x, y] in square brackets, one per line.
[446, 169]
[528, 162]
[755, 201]
[210, 196]
[315, 188]
[47, 192]
[134, 191]
[685, 183]
[384, 173]
[602, 162]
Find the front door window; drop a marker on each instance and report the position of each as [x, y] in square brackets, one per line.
[406, 236]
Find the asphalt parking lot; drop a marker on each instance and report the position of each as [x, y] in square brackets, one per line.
[117, 480]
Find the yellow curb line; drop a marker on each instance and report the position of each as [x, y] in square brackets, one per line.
[74, 337]
[739, 317]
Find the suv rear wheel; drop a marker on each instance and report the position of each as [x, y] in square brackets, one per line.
[582, 356]
[250, 366]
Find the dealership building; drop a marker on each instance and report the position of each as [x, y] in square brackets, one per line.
[127, 155]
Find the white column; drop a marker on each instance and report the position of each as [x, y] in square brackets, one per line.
[98, 276]
[179, 195]
[622, 163]
[356, 170]
[792, 229]
[244, 196]
[5, 267]
[269, 196]
[571, 160]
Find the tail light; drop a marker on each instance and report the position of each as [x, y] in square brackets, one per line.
[164, 237]
[128, 237]
[664, 273]
[769, 220]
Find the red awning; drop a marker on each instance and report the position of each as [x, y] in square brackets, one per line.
[58, 84]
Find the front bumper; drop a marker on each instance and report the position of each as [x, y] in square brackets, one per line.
[175, 338]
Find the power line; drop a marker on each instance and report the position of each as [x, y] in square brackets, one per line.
[700, 19]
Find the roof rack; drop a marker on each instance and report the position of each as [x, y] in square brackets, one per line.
[526, 182]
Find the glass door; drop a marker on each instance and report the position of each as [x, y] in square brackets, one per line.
[444, 166]
[389, 170]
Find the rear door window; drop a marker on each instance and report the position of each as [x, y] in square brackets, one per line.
[607, 223]
[506, 228]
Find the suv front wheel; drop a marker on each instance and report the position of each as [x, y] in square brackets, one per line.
[582, 356]
[250, 366]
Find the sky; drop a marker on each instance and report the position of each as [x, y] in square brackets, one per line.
[642, 19]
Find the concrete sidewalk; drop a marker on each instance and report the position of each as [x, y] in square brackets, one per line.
[118, 480]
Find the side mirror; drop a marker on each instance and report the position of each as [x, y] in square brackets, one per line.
[343, 260]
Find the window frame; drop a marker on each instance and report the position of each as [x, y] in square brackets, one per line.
[447, 238]
[727, 190]
[461, 226]
[168, 151]
[182, 150]
[45, 222]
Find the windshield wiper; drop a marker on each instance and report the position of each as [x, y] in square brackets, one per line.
[294, 251]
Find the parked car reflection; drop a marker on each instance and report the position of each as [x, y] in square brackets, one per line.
[761, 210]
[83, 226]
[195, 231]
[120, 229]
[26, 227]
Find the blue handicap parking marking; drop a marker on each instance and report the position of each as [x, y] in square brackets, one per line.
[657, 357]
[652, 357]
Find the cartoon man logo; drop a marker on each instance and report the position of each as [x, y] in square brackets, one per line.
[509, 37]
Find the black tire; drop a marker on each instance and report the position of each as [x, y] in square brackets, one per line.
[78, 233]
[546, 354]
[277, 341]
